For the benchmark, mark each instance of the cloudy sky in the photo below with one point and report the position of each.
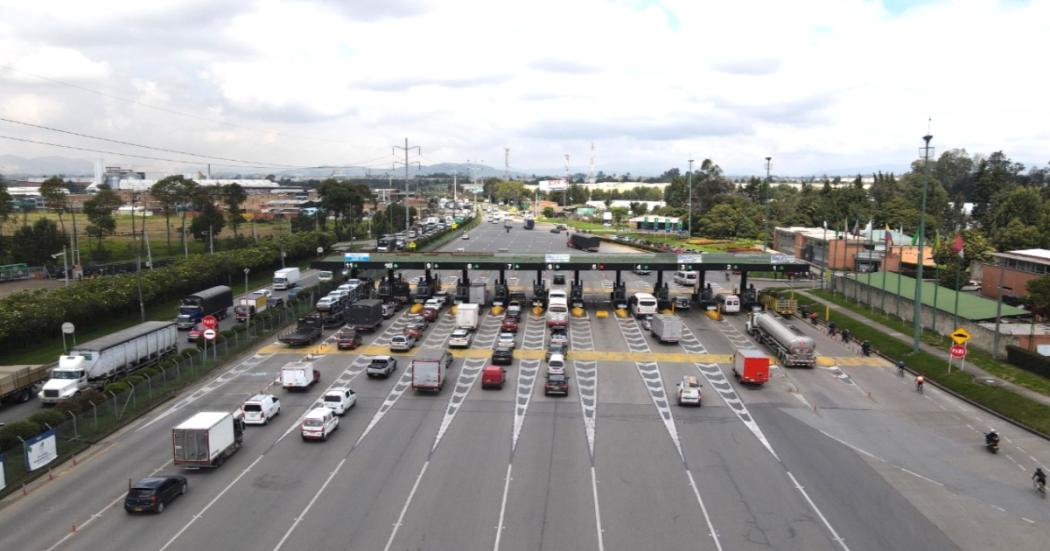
(818, 85)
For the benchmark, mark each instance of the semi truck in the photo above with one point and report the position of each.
(18, 383)
(299, 376)
(792, 347)
(365, 315)
(751, 366)
(250, 306)
(429, 369)
(207, 439)
(666, 329)
(93, 363)
(215, 301)
(468, 316)
(306, 331)
(286, 278)
(583, 241)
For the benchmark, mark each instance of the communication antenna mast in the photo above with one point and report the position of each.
(590, 174)
(568, 178)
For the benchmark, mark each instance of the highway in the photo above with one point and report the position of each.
(845, 456)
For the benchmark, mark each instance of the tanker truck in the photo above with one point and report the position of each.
(792, 347)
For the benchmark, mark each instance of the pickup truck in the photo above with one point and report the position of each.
(306, 331)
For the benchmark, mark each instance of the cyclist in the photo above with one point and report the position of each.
(919, 381)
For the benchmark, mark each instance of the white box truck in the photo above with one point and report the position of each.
(468, 316)
(299, 376)
(286, 278)
(207, 439)
(429, 369)
(93, 363)
(666, 329)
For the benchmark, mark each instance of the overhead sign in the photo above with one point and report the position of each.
(958, 351)
(209, 322)
(355, 257)
(556, 258)
(209, 334)
(780, 258)
(41, 450)
(690, 259)
(960, 336)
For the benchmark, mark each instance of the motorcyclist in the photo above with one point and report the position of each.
(992, 438)
(900, 367)
(845, 335)
(865, 348)
(831, 328)
(1039, 476)
(919, 381)
(813, 317)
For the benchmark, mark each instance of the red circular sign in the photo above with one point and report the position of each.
(209, 322)
(958, 351)
(209, 334)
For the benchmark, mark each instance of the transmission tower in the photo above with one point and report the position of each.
(406, 164)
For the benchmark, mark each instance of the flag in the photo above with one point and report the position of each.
(888, 236)
(957, 245)
(825, 224)
(867, 229)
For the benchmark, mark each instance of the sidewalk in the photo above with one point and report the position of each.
(943, 354)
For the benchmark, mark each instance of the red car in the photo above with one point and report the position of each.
(430, 314)
(415, 331)
(196, 333)
(347, 338)
(509, 325)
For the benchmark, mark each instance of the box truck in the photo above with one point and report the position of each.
(251, 305)
(299, 376)
(286, 278)
(751, 366)
(583, 242)
(93, 363)
(215, 301)
(666, 329)
(207, 439)
(365, 315)
(429, 369)
(468, 316)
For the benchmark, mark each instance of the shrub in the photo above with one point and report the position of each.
(118, 387)
(10, 434)
(48, 417)
(1029, 361)
(135, 379)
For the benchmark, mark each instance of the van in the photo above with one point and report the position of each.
(556, 363)
(728, 303)
(493, 376)
(689, 279)
(259, 409)
(319, 424)
(643, 304)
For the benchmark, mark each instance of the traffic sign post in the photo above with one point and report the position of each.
(958, 352)
(209, 322)
(209, 334)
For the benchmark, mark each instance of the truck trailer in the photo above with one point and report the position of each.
(93, 363)
(207, 439)
(792, 347)
(215, 301)
(666, 329)
(751, 366)
(365, 315)
(468, 316)
(299, 376)
(429, 369)
(18, 383)
(584, 242)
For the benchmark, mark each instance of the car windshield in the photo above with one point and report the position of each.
(65, 374)
(398, 339)
(136, 493)
(556, 378)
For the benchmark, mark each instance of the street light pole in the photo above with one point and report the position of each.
(248, 322)
(919, 260)
(689, 184)
(765, 204)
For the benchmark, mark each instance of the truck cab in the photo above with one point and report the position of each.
(68, 379)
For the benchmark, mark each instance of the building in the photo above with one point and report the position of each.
(1011, 271)
(139, 185)
(868, 250)
(624, 203)
(113, 175)
(656, 223)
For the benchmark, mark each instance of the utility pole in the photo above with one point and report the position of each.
(919, 260)
(765, 203)
(568, 179)
(689, 184)
(406, 149)
(506, 164)
(455, 189)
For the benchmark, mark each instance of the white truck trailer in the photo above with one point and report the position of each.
(207, 439)
(468, 316)
(299, 376)
(96, 362)
(429, 369)
(286, 278)
(667, 329)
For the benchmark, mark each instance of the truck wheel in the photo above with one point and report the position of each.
(25, 396)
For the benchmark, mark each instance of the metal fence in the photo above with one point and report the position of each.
(90, 421)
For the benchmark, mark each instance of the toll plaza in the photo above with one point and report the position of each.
(468, 263)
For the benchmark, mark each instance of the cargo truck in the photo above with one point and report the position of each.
(751, 366)
(94, 363)
(429, 369)
(666, 329)
(207, 439)
(286, 278)
(583, 241)
(365, 315)
(18, 383)
(215, 301)
(299, 376)
(468, 316)
(306, 331)
(250, 306)
(792, 347)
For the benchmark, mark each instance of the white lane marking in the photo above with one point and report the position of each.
(834, 534)
(468, 375)
(597, 511)
(1028, 520)
(703, 508)
(502, 507)
(395, 394)
(877, 458)
(919, 476)
(998, 508)
(404, 509)
(210, 503)
(354, 369)
(309, 506)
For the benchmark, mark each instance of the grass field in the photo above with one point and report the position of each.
(695, 243)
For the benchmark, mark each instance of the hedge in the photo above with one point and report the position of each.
(1028, 361)
(10, 434)
(26, 315)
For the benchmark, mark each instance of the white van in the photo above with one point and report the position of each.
(319, 424)
(728, 303)
(557, 311)
(689, 279)
(643, 304)
(556, 364)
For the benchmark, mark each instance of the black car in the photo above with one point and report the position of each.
(559, 279)
(274, 302)
(502, 355)
(154, 493)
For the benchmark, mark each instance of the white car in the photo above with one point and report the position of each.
(465, 236)
(324, 276)
(319, 424)
(556, 364)
(339, 400)
(326, 302)
(689, 391)
(262, 293)
(402, 343)
(506, 339)
(339, 294)
(259, 409)
(433, 304)
(460, 338)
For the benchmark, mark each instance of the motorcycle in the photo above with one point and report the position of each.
(992, 446)
(1040, 487)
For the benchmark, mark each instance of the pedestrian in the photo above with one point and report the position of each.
(845, 336)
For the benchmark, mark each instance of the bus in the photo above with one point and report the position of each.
(728, 303)
(642, 304)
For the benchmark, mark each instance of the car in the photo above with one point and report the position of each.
(319, 424)
(294, 292)
(326, 302)
(640, 271)
(388, 310)
(347, 339)
(325, 275)
(502, 355)
(259, 409)
(154, 493)
(414, 330)
(430, 313)
(506, 339)
(689, 391)
(339, 294)
(493, 376)
(560, 337)
(556, 363)
(557, 384)
(381, 366)
(559, 279)
(510, 325)
(555, 230)
(339, 400)
(275, 302)
(196, 333)
(460, 338)
(681, 303)
(561, 348)
(402, 343)
(444, 298)
(434, 303)
(465, 236)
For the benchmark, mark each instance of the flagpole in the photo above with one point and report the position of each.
(958, 271)
(900, 264)
(920, 258)
(871, 253)
(882, 268)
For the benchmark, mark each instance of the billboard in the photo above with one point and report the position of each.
(41, 450)
(553, 185)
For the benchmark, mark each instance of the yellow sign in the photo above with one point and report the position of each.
(412, 246)
(960, 335)
(455, 225)
(248, 216)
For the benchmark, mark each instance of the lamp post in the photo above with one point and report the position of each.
(920, 260)
(251, 307)
(65, 263)
(689, 184)
(765, 204)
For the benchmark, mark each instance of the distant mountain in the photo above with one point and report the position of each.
(15, 166)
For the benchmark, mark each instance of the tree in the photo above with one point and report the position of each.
(208, 222)
(234, 195)
(99, 210)
(954, 169)
(1038, 299)
(618, 214)
(548, 212)
(188, 193)
(639, 208)
(729, 219)
(994, 175)
(54, 192)
(167, 191)
(35, 244)
(976, 248)
(6, 208)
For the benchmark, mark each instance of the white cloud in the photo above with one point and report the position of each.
(819, 85)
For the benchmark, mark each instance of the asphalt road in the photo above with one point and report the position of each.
(843, 456)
